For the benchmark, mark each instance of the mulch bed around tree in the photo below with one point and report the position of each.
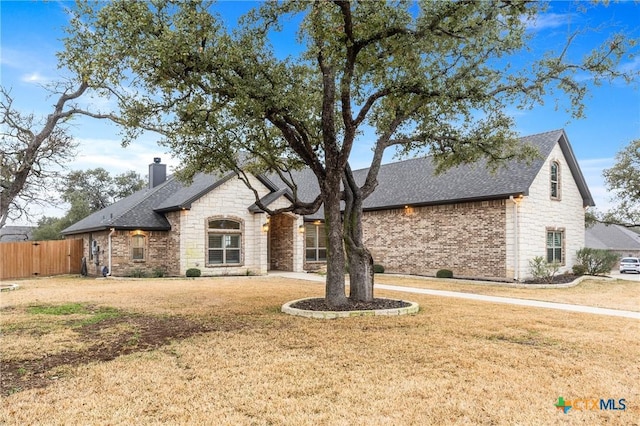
(319, 304)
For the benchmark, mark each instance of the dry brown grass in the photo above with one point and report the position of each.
(456, 362)
(599, 292)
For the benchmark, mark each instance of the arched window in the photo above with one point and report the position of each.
(224, 242)
(137, 247)
(555, 180)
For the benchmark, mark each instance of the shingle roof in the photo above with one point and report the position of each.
(612, 237)
(409, 182)
(414, 182)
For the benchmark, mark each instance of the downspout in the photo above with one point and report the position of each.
(516, 238)
(110, 234)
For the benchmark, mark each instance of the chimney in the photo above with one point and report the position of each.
(157, 173)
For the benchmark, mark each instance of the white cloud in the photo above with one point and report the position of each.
(548, 20)
(34, 77)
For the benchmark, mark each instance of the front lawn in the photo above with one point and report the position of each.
(218, 351)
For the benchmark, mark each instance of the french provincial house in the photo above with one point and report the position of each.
(474, 222)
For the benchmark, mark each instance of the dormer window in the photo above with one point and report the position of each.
(555, 180)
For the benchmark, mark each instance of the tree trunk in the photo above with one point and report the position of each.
(360, 259)
(360, 275)
(335, 283)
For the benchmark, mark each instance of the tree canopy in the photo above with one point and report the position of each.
(87, 191)
(623, 180)
(33, 151)
(425, 77)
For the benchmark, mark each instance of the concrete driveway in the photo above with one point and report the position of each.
(628, 277)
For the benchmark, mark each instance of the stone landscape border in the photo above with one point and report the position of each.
(8, 287)
(287, 308)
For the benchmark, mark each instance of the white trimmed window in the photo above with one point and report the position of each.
(555, 247)
(224, 242)
(315, 242)
(555, 180)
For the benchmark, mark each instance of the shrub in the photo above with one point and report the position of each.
(596, 261)
(137, 273)
(543, 270)
(444, 273)
(193, 272)
(378, 269)
(158, 273)
(579, 269)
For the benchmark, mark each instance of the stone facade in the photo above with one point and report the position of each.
(538, 213)
(230, 200)
(467, 238)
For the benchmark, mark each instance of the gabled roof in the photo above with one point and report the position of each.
(414, 182)
(611, 237)
(410, 182)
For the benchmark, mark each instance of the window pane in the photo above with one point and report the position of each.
(215, 256)
(549, 255)
(311, 255)
(322, 238)
(233, 256)
(224, 224)
(232, 241)
(137, 253)
(322, 254)
(215, 241)
(138, 241)
(557, 255)
(557, 239)
(310, 236)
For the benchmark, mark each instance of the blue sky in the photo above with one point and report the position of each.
(30, 33)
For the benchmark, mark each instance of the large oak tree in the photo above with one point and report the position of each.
(623, 180)
(431, 77)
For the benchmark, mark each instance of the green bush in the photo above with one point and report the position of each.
(596, 261)
(543, 270)
(158, 272)
(444, 273)
(193, 272)
(579, 269)
(378, 269)
(137, 273)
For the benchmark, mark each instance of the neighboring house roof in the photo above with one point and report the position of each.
(16, 233)
(410, 182)
(611, 237)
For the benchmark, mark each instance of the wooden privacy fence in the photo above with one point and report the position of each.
(27, 259)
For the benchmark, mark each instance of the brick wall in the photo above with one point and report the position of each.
(468, 238)
(281, 238)
(159, 254)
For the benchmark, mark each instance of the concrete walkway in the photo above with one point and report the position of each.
(477, 297)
